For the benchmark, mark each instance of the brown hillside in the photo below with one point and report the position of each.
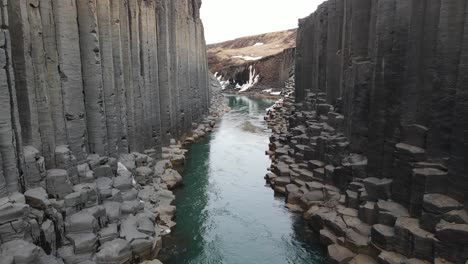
(222, 55)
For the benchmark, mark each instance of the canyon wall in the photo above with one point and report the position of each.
(273, 70)
(101, 77)
(374, 147)
(387, 65)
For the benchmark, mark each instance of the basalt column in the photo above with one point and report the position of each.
(95, 77)
(395, 74)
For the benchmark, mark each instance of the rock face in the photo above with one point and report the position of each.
(378, 125)
(271, 55)
(95, 76)
(394, 75)
(91, 94)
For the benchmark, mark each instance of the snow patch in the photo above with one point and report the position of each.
(253, 79)
(259, 44)
(247, 58)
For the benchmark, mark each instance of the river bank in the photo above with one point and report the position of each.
(351, 213)
(225, 213)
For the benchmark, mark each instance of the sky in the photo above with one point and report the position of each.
(230, 19)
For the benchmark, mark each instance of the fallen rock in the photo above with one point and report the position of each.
(339, 255)
(171, 178)
(58, 183)
(115, 251)
(37, 198)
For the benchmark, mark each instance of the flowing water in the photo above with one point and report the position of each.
(225, 213)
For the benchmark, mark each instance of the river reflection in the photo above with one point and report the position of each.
(225, 213)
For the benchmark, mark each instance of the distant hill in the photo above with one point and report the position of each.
(242, 51)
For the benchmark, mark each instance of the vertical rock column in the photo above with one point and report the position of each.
(391, 42)
(9, 125)
(119, 76)
(165, 87)
(92, 77)
(127, 72)
(42, 93)
(458, 166)
(449, 40)
(71, 79)
(154, 77)
(334, 43)
(53, 77)
(107, 65)
(140, 128)
(24, 72)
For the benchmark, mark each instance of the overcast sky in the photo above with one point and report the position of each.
(230, 19)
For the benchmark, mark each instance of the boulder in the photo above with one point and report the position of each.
(327, 237)
(115, 251)
(378, 188)
(123, 182)
(383, 236)
(81, 222)
(20, 252)
(144, 175)
(425, 181)
(339, 255)
(434, 206)
(103, 171)
(171, 178)
(13, 211)
(58, 184)
(452, 243)
(388, 212)
(411, 240)
(37, 198)
(83, 243)
(363, 259)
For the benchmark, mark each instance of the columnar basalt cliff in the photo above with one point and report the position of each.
(87, 87)
(374, 148)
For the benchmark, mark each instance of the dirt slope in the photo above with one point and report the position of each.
(249, 49)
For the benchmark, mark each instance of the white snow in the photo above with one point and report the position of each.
(247, 58)
(253, 79)
(275, 93)
(259, 44)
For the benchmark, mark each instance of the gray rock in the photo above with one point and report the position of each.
(21, 251)
(339, 255)
(171, 178)
(378, 188)
(80, 223)
(144, 175)
(434, 206)
(388, 212)
(83, 243)
(58, 183)
(115, 251)
(383, 236)
(361, 259)
(37, 198)
(411, 240)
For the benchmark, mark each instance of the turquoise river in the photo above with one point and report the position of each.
(225, 212)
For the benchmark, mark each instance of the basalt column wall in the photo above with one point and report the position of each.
(396, 71)
(100, 77)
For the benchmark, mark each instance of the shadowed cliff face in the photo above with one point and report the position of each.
(387, 65)
(100, 76)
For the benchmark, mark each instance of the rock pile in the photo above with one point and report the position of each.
(409, 217)
(106, 210)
